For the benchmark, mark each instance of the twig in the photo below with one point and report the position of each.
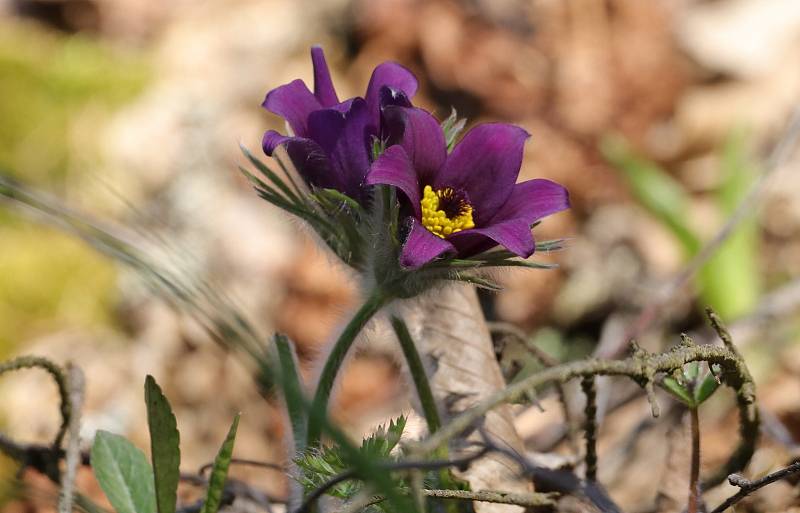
(76, 384)
(528, 500)
(589, 390)
(241, 461)
(733, 372)
(746, 487)
(57, 373)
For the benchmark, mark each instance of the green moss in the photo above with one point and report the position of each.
(46, 80)
(49, 278)
(48, 83)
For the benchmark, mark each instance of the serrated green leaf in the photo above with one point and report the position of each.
(164, 446)
(219, 472)
(705, 389)
(672, 386)
(123, 473)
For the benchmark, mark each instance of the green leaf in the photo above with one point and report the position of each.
(675, 388)
(452, 126)
(164, 445)
(705, 389)
(292, 391)
(691, 370)
(730, 280)
(219, 473)
(655, 189)
(123, 473)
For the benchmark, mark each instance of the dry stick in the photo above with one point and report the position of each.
(776, 159)
(589, 390)
(76, 383)
(241, 461)
(641, 369)
(528, 500)
(746, 487)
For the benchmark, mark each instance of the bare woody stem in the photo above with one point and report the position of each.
(694, 476)
(641, 368)
(377, 299)
(747, 487)
(589, 390)
(58, 375)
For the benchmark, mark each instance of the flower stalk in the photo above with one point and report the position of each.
(376, 300)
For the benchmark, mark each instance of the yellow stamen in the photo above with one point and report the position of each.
(436, 221)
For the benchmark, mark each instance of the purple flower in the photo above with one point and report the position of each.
(468, 201)
(330, 141)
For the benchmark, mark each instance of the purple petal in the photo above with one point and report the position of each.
(309, 159)
(323, 85)
(393, 167)
(294, 103)
(422, 246)
(345, 139)
(485, 164)
(533, 200)
(514, 235)
(421, 137)
(272, 140)
(392, 75)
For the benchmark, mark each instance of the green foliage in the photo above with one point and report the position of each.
(46, 81)
(219, 472)
(50, 278)
(164, 445)
(452, 126)
(656, 190)
(292, 391)
(319, 465)
(730, 280)
(335, 217)
(123, 473)
(692, 386)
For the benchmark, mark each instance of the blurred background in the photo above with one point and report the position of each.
(658, 116)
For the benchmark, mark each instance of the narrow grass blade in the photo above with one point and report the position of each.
(219, 472)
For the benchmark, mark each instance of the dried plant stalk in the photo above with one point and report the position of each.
(452, 336)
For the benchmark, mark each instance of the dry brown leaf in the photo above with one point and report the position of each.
(450, 330)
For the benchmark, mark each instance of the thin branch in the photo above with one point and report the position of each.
(589, 390)
(241, 461)
(746, 487)
(57, 373)
(528, 500)
(76, 384)
(642, 370)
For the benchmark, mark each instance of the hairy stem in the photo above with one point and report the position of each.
(374, 302)
(418, 375)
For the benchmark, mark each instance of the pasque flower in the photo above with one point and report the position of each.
(330, 141)
(465, 202)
